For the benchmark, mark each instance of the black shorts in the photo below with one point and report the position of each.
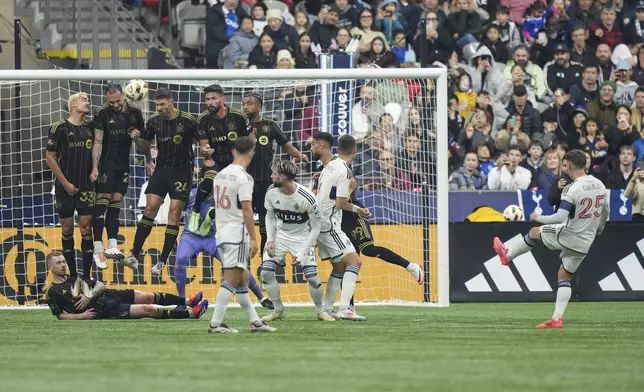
(116, 304)
(66, 204)
(357, 229)
(113, 181)
(259, 195)
(174, 182)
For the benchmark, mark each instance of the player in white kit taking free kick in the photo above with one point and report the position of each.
(333, 192)
(571, 230)
(236, 238)
(292, 226)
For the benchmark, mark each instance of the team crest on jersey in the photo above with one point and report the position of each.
(179, 127)
(177, 139)
(89, 143)
(232, 136)
(296, 206)
(263, 140)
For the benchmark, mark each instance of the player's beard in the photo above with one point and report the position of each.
(213, 108)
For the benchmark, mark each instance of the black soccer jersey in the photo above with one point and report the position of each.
(222, 133)
(60, 300)
(174, 139)
(73, 145)
(266, 131)
(116, 139)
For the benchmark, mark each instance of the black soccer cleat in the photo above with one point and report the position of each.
(267, 303)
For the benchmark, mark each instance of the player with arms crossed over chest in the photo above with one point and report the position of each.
(219, 128)
(113, 124)
(581, 216)
(174, 131)
(67, 303)
(69, 157)
(265, 132)
(236, 239)
(334, 190)
(292, 226)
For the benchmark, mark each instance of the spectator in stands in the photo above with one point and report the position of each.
(412, 159)
(506, 87)
(485, 163)
(593, 141)
(437, 40)
(535, 21)
(284, 35)
(412, 11)
(626, 88)
(366, 30)
(389, 19)
(550, 172)
(606, 31)
(362, 115)
(510, 34)
(483, 70)
(634, 31)
(302, 22)
(222, 20)
(550, 128)
(582, 12)
(635, 191)
(561, 72)
(518, 9)
(264, 56)
(323, 32)
(285, 60)
(342, 39)
(403, 52)
(390, 176)
(534, 74)
(625, 134)
(534, 160)
(381, 56)
(415, 123)
(621, 174)
(259, 18)
(463, 20)
(468, 177)
(581, 52)
(366, 166)
(587, 91)
(574, 134)
(466, 96)
(477, 132)
(498, 48)
(530, 117)
(512, 134)
(637, 112)
(508, 175)
(242, 42)
(604, 62)
(293, 102)
(561, 109)
(604, 109)
(348, 16)
(304, 56)
(554, 193)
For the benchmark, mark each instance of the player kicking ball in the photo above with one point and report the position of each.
(68, 303)
(292, 226)
(203, 240)
(236, 238)
(572, 229)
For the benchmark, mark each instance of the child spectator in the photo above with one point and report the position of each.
(534, 160)
(517, 9)
(302, 23)
(264, 56)
(485, 163)
(589, 141)
(493, 41)
(535, 21)
(510, 34)
(241, 44)
(380, 55)
(466, 97)
(259, 18)
(390, 19)
(400, 48)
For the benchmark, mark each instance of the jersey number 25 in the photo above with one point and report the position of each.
(587, 204)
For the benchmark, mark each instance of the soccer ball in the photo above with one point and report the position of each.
(513, 213)
(136, 90)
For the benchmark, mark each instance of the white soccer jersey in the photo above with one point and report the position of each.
(586, 199)
(334, 182)
(232, 185)
(296, 214)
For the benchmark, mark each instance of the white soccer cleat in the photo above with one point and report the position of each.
(100, 260)
(114, 254)
(416, 272)
(157, 269)
(350, 315)
(77, 288)
(274, 315)
(324, 316)
(261, 327)
(131, 262)
(85, 289)
(223, 328)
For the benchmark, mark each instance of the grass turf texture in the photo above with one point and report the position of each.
(473, 347)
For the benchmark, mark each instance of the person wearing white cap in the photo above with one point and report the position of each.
(285, 60)
(626, 88)
(284, 35)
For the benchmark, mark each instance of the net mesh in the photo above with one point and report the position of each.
(393, 120)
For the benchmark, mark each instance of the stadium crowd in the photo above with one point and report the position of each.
(529, 81)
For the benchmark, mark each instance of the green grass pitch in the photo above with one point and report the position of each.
(474, 347)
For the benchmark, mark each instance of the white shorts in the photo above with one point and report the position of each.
(235, 255)
(570, 259)
(334, 245)
(282, 247)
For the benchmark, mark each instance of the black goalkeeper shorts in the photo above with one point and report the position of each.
(116, 304)
(174, 182)
(113, 181)
(357, 229)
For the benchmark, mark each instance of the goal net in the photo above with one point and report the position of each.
(398, 117)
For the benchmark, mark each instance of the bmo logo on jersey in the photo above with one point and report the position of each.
(291, 216)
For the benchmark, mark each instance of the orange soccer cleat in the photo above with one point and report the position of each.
(501, 250)
(551, 323)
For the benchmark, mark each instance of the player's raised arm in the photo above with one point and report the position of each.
(562, 213)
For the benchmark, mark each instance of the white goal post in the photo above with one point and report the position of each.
(399, 117)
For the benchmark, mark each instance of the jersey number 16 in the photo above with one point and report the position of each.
(223, 201)
(587, 204)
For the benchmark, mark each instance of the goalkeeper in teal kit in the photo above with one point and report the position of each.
(203, 240)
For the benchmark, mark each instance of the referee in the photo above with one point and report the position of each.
(69, 157)
(265, 132)
(174, 131)
(219, 127)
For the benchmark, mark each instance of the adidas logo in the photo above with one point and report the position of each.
(504, 279)
(277, 202)
(632, 270)
(70, 133)
(112, 121)
(212, 128)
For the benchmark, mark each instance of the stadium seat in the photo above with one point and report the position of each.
(192, 26)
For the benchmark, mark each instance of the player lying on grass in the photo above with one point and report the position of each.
(68, 303)
(292, 226)
(203, 240)
(581, 216)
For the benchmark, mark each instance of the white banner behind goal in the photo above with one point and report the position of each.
(399, 117)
